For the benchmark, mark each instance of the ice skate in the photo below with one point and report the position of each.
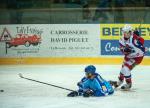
(126, 86)
(116, 83)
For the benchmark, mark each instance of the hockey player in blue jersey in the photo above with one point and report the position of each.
(92, 85)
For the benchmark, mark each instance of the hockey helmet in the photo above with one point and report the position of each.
(90, 69)
(127, 28)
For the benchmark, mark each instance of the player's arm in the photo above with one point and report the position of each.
(122, 47)
(80, 84)
(126, 49)
(100, 89)
(140, 40)
(83, 86)
(139, 43)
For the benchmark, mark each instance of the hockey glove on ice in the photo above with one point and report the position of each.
(88, 93)
(73, 94)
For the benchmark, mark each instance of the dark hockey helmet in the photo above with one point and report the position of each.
(90, 69)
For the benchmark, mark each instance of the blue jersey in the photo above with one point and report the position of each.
(99, 86)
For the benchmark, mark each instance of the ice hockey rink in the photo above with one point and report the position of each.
(22, 93)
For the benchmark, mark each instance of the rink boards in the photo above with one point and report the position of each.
(65, 43)
(99, 60)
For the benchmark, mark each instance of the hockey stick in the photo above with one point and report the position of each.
(141, 22)
(21, 76)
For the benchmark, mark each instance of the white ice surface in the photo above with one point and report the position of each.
(21, 93)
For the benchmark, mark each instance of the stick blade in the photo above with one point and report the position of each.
(20, 75)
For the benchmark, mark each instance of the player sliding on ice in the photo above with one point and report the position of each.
(92, 85)
(132, 46)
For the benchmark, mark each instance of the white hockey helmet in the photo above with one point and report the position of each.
(127, 28)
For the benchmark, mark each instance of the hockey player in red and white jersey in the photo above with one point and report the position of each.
(132, 46)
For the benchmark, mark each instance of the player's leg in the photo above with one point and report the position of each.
(128, 66)
(124, 74)
(120, 79)
(126, 70)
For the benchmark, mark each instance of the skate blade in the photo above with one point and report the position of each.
(128, 90)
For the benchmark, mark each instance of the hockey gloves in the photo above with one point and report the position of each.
(128, 50)
(137, 32)
(73, 94)
(88, 93)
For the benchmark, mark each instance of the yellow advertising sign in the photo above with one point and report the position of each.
(114, 31)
